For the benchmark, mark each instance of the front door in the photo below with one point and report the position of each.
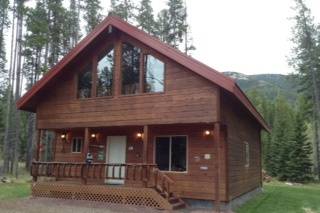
(116, 153)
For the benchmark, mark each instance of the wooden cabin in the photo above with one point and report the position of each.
(160, 127)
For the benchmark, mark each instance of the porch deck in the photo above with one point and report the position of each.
(81, 181)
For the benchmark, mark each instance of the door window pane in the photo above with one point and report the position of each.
(105, 73)
(153, 74)
(85, 82)
(178, 153)
(130, 69)
(162, 152)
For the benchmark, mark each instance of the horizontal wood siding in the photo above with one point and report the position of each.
(241, 128)
(195, 183)
(188, 98)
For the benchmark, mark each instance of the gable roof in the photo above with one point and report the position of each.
(201, 69)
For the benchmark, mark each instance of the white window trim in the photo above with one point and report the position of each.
(81, 147)
(187, 152)
(247, 154)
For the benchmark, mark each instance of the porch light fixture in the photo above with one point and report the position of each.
(207, 132)
(93, 135)
(63, 136)
(139, 135)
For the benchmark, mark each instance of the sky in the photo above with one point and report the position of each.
(247, 36)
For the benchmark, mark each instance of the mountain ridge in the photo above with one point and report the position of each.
(269, 85)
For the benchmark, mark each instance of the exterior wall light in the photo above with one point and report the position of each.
(93, 135)
(63, 136)
(207, 132)
(139, 135)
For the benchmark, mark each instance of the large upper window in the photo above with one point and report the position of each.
(85, 82)
(171, 153)
(105, 70)
(153, 74)
(130, 69)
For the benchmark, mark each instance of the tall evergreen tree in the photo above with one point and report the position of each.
(162, 26)
(177, 22)
(35, 41)
(306, 61)
(74, 22)
(124, 9)
(145, 17)
(92, 14)
(56, 17)
(299, 165)
(4, 24)
(277, 158)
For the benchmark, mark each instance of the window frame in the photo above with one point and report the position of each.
(246, 154)
(144, 58)
(117, 73)
(170, 147)
(81, 146)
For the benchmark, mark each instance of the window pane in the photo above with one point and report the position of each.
(154, 74)
(74, 145)
(105, 73)
(178, 153)
(130, 69)
(162, 152)
(85, 82)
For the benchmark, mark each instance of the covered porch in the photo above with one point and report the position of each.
(136, 166)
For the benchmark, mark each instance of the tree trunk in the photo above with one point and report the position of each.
(17, 88)
(7, 146)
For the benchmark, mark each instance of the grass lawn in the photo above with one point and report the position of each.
(14, 190)
(281, 198)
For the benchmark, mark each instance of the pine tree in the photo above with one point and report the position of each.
(124, 9)
(92, 14)
(74, 22)
(56, 18)
(306, 61)
(162, 25)
(145, 17)
(177, 22)
(277, 158)
(35, 41)
(4, 24)
(299, 165)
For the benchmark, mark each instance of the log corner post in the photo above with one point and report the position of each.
(217, 144)
(145, 143)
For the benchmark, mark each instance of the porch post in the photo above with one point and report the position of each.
(86, 143)
(145, 143)
(37, 154)
(217, 144)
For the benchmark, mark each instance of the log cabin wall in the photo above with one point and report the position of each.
(188, 98)
(196, 183)
(241, 129)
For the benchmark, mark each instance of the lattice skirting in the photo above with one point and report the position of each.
(111, 194)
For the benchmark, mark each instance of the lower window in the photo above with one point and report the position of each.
(77, 145)
(171, 153)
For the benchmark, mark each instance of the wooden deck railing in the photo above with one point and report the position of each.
(84, 171)
(146, 173)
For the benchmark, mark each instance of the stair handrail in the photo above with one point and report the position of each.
(162, 182)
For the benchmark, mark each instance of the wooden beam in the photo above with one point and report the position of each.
(86, 143)
(217, 141)
(117, 69)
(145, 143)
(37, 154)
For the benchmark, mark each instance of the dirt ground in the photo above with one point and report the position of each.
(44, 205)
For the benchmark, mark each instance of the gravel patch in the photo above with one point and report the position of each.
(50, 205)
